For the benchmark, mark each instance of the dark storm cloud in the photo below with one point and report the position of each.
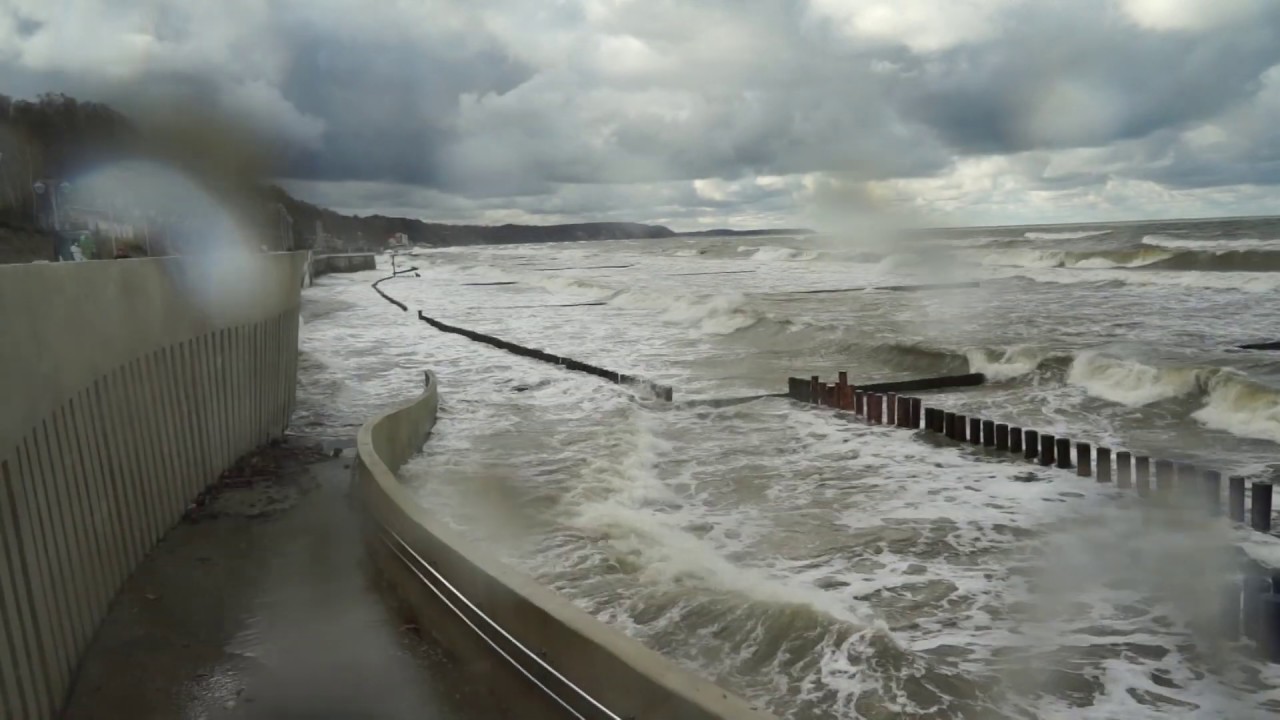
(533, 107)
(388, 107)
(1071, 78)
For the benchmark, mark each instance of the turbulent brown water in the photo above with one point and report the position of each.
(821, 568)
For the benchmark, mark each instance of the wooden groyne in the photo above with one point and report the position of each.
(1251, 607)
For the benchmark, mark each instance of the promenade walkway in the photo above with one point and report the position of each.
(264, 608)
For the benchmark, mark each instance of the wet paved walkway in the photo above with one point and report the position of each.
(265, 608)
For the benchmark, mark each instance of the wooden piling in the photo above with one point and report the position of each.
(1142, 475)
(1002, 437)
(988, 433)
(1032, 444)
(1124, 469)
(891, 409)
(962, 426)
(1084, 463)
(1188, 483)
(975, 431)
(1269, 625)
(1103, 472)
(949, 425)
(1231, 612)
(904, 412)
(846, 398)
(1015, 440)
(1164, 478)
(842, 390)
(815, 393)
(1213, 492)
(1260, 507)
(1235, 498)
(1253, 588)
(917, 413)
(859, 403)
(1064, 453)
(1048, 447)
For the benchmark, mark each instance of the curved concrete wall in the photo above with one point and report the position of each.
(622, 677)
(126, 387)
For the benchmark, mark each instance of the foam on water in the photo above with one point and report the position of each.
(825, 569)
(1064, 235)
(1191, 243)
(774, 253)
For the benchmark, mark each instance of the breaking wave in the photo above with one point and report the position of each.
(1096, 260)
(710, 314)
(770, 253)
(1064, 235)
(1230, 400)
(1166, 241)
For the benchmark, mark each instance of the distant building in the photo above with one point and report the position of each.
(399, 241)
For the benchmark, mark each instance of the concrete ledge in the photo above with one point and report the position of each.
(341, 263)
(622, 678)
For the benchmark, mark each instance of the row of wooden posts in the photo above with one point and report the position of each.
(1122, 467)
(1252, 605)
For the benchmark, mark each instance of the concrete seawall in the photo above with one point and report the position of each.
(127, 388)
(340, 263)
(588, 666)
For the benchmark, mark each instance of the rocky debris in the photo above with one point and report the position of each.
(261, 483)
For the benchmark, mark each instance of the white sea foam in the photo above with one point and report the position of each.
(1004, 364)
(774, 253)
(1211, 244)
(1130, 382)
(711, 534)
(1064, 235)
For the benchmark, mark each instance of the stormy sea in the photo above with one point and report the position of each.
(820, 567)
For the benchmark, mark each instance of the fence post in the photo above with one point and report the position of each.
(1124, 469)
(1083, 462)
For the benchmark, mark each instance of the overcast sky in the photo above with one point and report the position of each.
(698, 113)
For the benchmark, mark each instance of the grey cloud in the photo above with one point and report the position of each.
(611, 110)
(1069, 76)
